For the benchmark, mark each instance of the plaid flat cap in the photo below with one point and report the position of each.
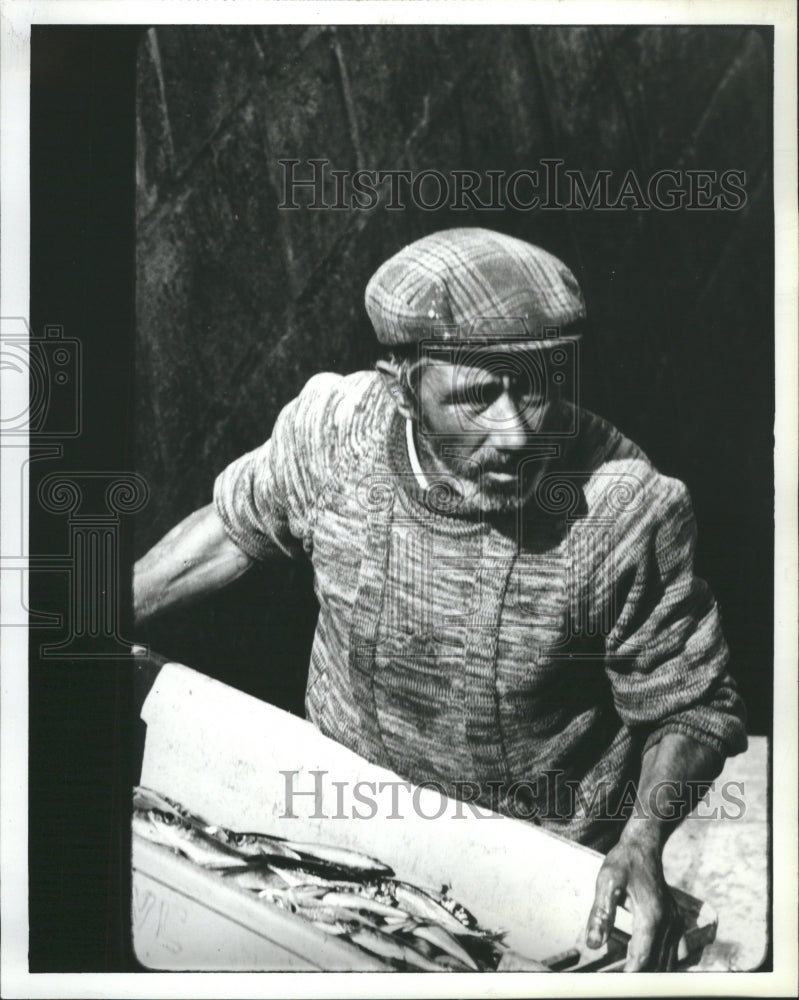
(473, 285)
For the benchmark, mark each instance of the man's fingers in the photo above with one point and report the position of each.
(609, 888)
(668, 961)
(668, 950)
(653, 934)
(641, 946)
(648, 928)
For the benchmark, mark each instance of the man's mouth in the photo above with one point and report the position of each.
(503, 465)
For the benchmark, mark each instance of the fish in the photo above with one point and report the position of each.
(512, 961)
(303, 878)
(166, 810)
(324, 858)
(254, 880)
(563, 960)
(456, 909)
(311, 866)
(146, 799)
(308, 902)
(426, 908)
(144, 827)
(302, 894)
(185, 840)
(336, 908)
(253, 844)
(444, 941)
(389, 947)
(275, 896)
(348, 893)
(341, 857)
(298, 899)
(243, 844)
(335, 928)
(450, 964)
(308, 878)
(357, 901)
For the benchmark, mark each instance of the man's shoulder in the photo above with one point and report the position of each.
(619, 476)
(328, 387)
(352, 408)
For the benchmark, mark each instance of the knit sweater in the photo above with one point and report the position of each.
(525, 662)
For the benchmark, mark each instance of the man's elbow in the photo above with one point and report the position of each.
(195, 558)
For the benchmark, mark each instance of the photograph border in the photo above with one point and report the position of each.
(17, 18)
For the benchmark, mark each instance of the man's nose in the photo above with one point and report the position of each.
(509, 428)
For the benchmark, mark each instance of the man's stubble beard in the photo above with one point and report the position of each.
(478, 494)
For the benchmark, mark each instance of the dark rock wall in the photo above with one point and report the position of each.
(239, 302)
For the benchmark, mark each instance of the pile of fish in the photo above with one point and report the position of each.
(340, 891)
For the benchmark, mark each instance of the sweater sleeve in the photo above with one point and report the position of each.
(666, 656)
(266, 499)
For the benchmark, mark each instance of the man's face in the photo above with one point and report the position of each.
(481, 419)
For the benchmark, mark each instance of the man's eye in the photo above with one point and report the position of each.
(466, 401)
(484, 393)
(472, 402)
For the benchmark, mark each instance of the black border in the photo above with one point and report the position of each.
(82, 187)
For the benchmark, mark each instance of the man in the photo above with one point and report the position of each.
(506, 589)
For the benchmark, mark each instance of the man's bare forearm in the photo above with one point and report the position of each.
(197, 557)
(673, 773)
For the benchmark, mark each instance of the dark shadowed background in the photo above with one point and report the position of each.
(239, 303)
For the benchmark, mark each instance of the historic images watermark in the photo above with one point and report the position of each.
(549, 185)
(550, 797)
(42, 407)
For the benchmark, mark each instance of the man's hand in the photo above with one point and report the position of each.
(633, 872)
(675, 772)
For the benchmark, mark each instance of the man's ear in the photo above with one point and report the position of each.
(403, 398)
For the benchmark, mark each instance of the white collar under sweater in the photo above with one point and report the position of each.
(421, 478)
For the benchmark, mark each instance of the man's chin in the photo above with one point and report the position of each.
(491, 491)
(494, 495)
(493, 503)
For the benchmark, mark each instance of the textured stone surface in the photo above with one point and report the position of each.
(239, 302)
(721, 855)
(206, 72)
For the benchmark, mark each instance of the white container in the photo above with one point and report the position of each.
(243, 764)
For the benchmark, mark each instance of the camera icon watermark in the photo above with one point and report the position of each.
(42, 385)
(41, 408)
